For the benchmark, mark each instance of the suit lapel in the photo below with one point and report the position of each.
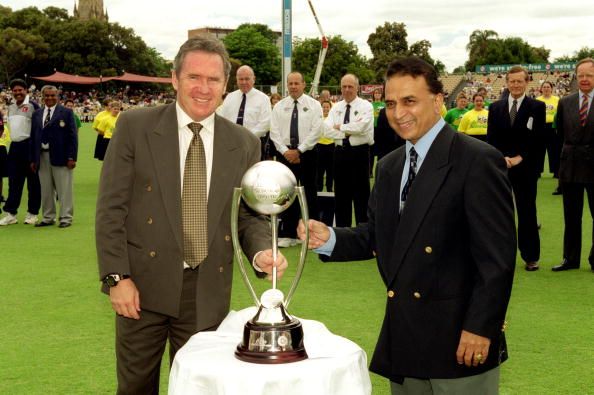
(427, 183)
(222, 179)
(163, 143)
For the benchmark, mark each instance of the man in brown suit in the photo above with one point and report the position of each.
(145, 255)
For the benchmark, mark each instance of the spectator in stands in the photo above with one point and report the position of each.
(274, 98)
(474, 122)
(69, 103)
(249, 107)
(483, 92)
(513, 126)
(551, 142)
(454, 116)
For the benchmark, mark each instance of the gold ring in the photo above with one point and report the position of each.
(478, 357)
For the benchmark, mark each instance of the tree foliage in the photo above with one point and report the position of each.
(582, 53)
(38, 42)
(342, 57)
(389, 42)
(254, 45)
(485, 47)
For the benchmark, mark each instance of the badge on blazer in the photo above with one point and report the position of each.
(62, 123)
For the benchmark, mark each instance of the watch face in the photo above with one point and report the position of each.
(110, 281)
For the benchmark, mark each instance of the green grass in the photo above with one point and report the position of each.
(58, 333)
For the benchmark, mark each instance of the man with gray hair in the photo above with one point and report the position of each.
(163, 232)
(250, 108)
(54, 147)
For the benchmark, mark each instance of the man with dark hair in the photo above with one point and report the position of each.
(163, 232)
(20, 113)
(575, 124)
(514, 127)
(441, 226)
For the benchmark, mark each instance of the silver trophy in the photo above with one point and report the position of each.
(272, 335)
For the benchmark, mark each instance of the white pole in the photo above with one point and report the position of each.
(287, 44)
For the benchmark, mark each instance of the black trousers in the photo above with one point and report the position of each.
(267, 149)
(140, 343)
(524, 186)
(573, 205)
(351, 183)
(305, 173)
(325, 167)
(551, 145)
(19, 171)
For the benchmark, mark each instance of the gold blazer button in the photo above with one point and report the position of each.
(227, 237)
(417, 295)
(152, 254)
(391, 294)
(221, 269)
(149, 221)
(428, 249)
(149, 188)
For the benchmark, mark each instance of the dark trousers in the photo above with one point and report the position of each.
(305, 173)
(19, 170)
(524, 187)
(325, 167)
(551, 145)
(267, 149)
(573, 205)
(140, 343)
(351, 183)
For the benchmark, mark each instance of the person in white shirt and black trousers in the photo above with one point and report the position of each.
(351, 124)
(295, 128)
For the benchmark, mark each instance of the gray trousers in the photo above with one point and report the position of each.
(56, 181)
(485, 384)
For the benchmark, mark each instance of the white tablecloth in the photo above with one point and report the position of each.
(206, 365)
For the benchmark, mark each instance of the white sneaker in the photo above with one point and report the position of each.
(8, 219)
(31, 219)
(286, 242)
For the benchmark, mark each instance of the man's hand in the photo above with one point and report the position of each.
(511, 162)
(292, 156)
(125, 299)
(318, 233)
(472, 349)
(265, 262)
(71, 164)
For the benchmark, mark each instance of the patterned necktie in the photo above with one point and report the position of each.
(194, 202)
(47, 117)
(412, 172)
(295, 127)
(241, 111)
(513, 112)
(347, 119)
(584, 110)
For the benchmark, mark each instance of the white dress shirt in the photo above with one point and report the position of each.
(185, 138)
(256, 114)
(360, 127)
(310, 118)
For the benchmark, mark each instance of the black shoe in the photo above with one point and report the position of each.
(64, 224)
(42, 224)
(531, 266)
(564, 265)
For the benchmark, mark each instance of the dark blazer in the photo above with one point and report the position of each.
(139, 219)
(447, 261)
(518, 139)
(577, 154)
(62, 134)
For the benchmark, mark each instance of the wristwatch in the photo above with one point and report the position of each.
(114, 278)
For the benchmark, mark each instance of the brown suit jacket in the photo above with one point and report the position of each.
(139, 222)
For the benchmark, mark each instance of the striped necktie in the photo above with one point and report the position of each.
(584, 110)
(513, 112)
(194, 201)
(412, 173)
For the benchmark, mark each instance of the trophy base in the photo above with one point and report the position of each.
(272, 344)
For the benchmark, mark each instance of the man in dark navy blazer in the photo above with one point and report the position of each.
(575, 123)
(515, 126)
(53, 153)
(441, 225)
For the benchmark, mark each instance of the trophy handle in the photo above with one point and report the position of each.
(303, 253)
(235, 203)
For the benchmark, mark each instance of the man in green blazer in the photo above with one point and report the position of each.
(141, 236)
